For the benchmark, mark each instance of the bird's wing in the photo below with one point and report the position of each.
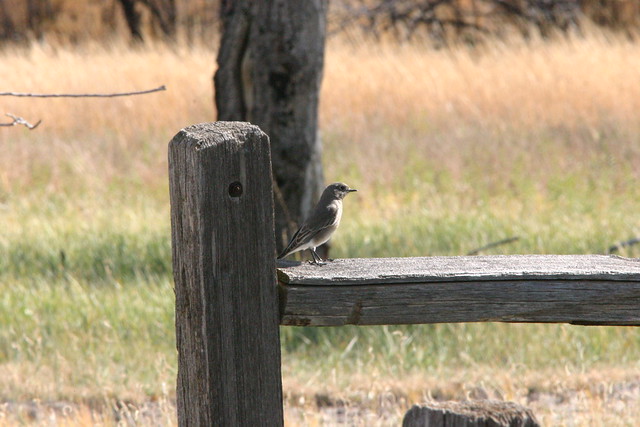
(308, 230)
(311, 227)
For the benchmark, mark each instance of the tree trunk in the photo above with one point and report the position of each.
(38, 11)
(8, 30)
(269, 72)
(164, 15)
(132, 16)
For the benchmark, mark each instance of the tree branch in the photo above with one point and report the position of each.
(20, 121)
(615, 248)
(493, 245)
(81, 95)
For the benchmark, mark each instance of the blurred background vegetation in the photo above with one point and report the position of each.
(460, 124)
(444, 21)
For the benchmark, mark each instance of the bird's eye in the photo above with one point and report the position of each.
(343, 188)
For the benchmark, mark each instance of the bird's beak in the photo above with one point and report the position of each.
(351, 190)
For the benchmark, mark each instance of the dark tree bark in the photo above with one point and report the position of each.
(165, 16)
(38, 11)
(132, 16)
(8, 31)
(269, 73)
(163, 13)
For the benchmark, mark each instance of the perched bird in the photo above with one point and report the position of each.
(323, 221)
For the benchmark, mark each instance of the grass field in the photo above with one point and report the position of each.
(449, 150)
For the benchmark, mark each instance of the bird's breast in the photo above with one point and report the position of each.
(336, 207)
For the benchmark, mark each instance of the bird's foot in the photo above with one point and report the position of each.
(314, 262)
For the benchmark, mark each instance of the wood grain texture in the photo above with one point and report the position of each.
(475, 413)
(578, 289)
(224, 271)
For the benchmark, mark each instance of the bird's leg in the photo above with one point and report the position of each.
(316, 258)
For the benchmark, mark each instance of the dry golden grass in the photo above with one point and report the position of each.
(566, 82)
(501, 107)
(378, 102)
(558, 397)
(97, 141)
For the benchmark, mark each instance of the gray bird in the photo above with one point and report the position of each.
(321, 224)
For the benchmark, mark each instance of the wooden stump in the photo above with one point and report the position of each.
(476, 413)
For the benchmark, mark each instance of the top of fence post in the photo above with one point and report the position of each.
(224, 271)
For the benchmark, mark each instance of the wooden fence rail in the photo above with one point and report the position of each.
(231, 297)
(578, 289)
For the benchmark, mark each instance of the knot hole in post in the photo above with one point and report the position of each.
(235, 189)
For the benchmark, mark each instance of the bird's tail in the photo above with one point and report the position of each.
(298, 237)
(291, 247)
(285, 252)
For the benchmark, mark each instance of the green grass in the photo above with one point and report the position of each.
(69, 339)
(118, 238)
(405, 350)
(86, 298)
(99, 325)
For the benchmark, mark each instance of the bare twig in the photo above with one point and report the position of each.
(20, 121)
(493, 245)
(81, 95)
(618, 246)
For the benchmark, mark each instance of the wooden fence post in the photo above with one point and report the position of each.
(225, 276)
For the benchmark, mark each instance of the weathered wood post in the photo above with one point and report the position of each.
(225, 276)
